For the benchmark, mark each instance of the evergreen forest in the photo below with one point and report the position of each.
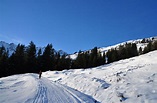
(30, 60)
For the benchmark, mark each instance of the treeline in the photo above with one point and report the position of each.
(122, 52)
(30, 60)
(89, 59)
(151, 46)
(95, 58)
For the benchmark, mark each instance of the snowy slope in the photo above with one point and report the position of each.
(131, 80)
(27, 88)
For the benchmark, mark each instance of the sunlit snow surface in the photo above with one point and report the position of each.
(27, 88)
(131, 80)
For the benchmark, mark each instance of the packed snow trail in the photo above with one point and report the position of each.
(27, 88)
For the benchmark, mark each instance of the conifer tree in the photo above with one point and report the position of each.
(112, 55)
(154, 46)
(86, 60)
(140, 51)
(57, 61)
(48, 58)
(148, 48)
(94, 56)
(20, 59)
(122, 52)
(39, 60)
(4, 70)
(134, 50)
(31, 58)
(64, 62)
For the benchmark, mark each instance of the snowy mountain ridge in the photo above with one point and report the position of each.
(11, 47)
(138, 42)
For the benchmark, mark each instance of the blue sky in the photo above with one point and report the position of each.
(73, 25)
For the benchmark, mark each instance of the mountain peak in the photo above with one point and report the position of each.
(10, 47)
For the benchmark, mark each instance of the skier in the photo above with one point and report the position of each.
(40, 74)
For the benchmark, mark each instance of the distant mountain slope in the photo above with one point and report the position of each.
(139, 42)
(11, 47)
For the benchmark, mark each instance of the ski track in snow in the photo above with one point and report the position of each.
(41, 96)
(36, 90)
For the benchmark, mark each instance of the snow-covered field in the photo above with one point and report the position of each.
(131, 80)
(27, 88)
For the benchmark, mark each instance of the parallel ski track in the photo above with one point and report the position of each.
(60, 93)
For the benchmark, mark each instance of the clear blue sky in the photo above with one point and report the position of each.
(73, 25)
